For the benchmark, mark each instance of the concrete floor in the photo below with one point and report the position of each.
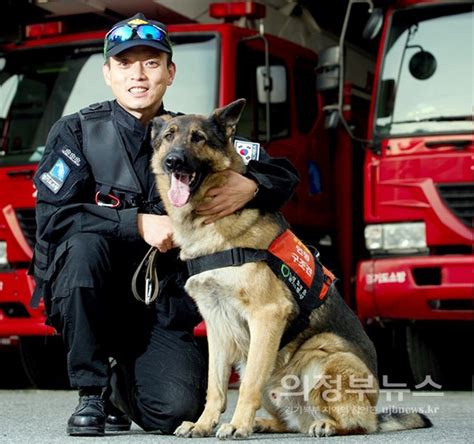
(34, 416)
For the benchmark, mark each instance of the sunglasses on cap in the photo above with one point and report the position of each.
(124, 33)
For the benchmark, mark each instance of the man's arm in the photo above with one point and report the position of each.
(156, 231)
(277, 179)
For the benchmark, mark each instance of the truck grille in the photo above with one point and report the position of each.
(27, 221)
(459, 198)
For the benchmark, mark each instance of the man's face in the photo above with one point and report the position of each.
(138, 78)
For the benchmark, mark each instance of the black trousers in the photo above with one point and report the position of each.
(159, 375)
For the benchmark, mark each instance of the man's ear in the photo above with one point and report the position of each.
(171, 73)
(106, 72)
(228, 116)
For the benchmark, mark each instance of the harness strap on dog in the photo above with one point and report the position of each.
(228, 258)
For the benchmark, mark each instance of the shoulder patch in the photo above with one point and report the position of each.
(74, 158)
(54, 179)
(247, 150)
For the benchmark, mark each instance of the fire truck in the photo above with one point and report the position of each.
(413, 276)
(390, 211)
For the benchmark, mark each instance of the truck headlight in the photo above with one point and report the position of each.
(3, 254)
(396, 238)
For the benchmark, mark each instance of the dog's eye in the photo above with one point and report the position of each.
(197, 137)
(169, 136)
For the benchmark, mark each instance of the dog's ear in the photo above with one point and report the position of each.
(228, 116)
(156, 126)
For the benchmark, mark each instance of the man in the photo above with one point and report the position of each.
(97, 213)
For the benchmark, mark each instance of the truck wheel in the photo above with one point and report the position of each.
(424, 354)
(44, 362)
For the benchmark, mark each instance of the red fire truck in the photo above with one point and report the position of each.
(415, 276)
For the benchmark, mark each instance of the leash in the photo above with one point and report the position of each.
(152, 284)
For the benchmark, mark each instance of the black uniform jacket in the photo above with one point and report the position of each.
(66, 188)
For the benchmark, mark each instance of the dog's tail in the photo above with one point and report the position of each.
(394, 421)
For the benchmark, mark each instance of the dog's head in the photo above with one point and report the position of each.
(190, 147)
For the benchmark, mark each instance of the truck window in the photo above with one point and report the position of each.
(440, 102)
(88, 88)
(39, 86)
(8, 90)
(195, 87)
(252, 123)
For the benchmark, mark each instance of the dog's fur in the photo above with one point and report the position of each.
(313, 384)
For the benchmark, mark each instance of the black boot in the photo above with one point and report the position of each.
(116, 420)
(89, 417)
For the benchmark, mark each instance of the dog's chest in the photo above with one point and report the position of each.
(194, 241)
(216, 292)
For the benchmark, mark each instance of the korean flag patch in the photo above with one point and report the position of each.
(247, 150)
(55, 178)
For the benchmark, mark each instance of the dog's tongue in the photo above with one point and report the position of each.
(179, 191)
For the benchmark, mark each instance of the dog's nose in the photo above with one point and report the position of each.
(174, 161)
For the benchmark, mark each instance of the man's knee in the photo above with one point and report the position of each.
(167, 413)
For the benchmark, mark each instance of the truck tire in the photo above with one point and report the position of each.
(44, 362)
(425, 355)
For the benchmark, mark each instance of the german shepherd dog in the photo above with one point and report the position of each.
(323, 382)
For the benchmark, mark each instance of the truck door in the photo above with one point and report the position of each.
(296, 129)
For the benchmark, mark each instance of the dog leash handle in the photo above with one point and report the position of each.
(152, 284)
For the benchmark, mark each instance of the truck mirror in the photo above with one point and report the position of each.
(387, 97)
(328, 69)
(422, 65)
(373, 25)
(275, 84)
(3, 62)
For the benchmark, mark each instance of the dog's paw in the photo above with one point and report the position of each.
(268, 425)
(229, 431)
(185, 429)
(322, 428)
(191, 430)
(261, 425)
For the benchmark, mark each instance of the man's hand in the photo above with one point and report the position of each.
(156, 231)
(227, 199)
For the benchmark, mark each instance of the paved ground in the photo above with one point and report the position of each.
(33, 416)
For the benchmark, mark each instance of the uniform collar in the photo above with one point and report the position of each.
(131, 122)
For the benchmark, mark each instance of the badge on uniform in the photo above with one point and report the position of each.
(74, 158)
(247, 150)
(55, 178)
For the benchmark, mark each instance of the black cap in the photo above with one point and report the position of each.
(113, 47)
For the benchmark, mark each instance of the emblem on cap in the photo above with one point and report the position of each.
(137, 21)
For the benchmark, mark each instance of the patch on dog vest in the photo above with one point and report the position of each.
(301, 271)
(247, 150)
(297, 261)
